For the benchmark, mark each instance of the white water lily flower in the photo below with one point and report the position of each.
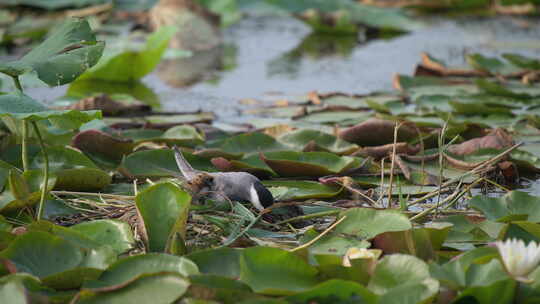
(360, 253)
(519, 260)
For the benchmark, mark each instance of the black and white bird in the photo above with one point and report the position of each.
(236, 186)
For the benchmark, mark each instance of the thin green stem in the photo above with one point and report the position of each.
(45, 172)
(24, 131)
(17, 83)
(24, 145)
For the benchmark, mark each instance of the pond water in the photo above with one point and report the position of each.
(265, 58)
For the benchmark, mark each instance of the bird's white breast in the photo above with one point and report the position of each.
(254, 197)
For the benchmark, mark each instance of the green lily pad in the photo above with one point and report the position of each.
(400, 274)
(20, 106)
(514, 205)
(69, 51)
(297, 190)
(252, 143)
(183, 135)
(333, 243)
(333, 291)
(82, 179)
(321, 141)
(219, 289)
(522, 61)
(114, 233)
(339, 117)
(74, 171)
(164, 209)
(127, 269)
(219, 261)
(468, 269)
(491, 65)
(160, 288)
(290, 164)
(367, 223)
(56, 258)
(274, 271)
(102, 145)
(155, 163)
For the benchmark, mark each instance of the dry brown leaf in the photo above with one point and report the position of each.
(379, 152)
(108, 106)
(430, 67)
(376, 132)
(496, 139)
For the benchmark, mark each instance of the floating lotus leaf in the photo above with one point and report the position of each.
(114, 233)
(252, 143)
(335, 290)
(159, 163)
(514, 205)
(129, 268)
(367, 223)
(297, 190)
(301, 139)
(219, 261)
(274, 271)
(291, 164)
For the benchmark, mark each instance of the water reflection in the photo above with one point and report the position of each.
(314, 46)
(201, 66)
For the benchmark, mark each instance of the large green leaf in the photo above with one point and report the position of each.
(515, 205)
(130, 268)
(160, 163)
(291, 164)
(291, 190)
(160, 288)
(20, 106)
(459, 273)
(276, 271)
(116, 234)
(164, 209)
(334, 291)
(492, 65)
(58, 262)
(69, 51)
(252, 143)
(321, 141)
(403, 278)
(74, 170)
(219, 289)
(219, 261)
(367, 223)
(332, 243)
(131, 66)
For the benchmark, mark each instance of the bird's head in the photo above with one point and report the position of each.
(260, 196)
